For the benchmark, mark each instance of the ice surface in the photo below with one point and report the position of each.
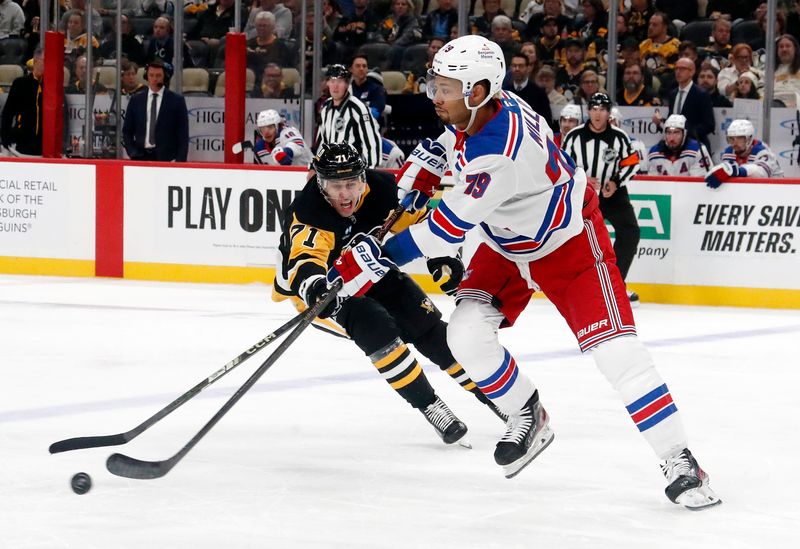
(321, 453)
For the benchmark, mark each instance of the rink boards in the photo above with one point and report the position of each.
(736, 245)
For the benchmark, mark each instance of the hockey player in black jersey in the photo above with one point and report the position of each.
(340, 201)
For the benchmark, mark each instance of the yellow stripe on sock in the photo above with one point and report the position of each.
(454, 368)
(414, 374)
(470, 386)
(391, 357)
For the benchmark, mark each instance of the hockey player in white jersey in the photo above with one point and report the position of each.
(745, 156)
(279, 144)
(677, 154)
(392, 156)
(615, 119)
(541, 229)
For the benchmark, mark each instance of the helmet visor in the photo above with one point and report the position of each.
(442, 88)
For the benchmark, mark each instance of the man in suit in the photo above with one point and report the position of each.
(691, 101)
(156, 122)
(520, 83)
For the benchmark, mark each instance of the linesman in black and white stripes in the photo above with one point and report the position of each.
(610, 161)
(345, 119)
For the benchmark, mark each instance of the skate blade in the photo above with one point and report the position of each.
(543, 440)
(464, 443)
(698, 499)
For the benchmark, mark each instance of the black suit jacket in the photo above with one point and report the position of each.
(698, 110)
(534, 96)
(172, 127)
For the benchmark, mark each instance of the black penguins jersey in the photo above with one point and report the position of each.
(314, 234)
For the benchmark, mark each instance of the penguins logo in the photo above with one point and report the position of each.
(427, 304)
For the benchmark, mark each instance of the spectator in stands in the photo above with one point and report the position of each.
(213, 24)
(162, 44)
(415, 82)
(78, 81)
(355, 30)
(502, 34)
(193, 8)
(568, 76)
(439, 21)
(691, 101)
(688, 50)
(157, 8)
(157, 123)
(638, 18)
(12, 19)
(570, 8)
(401, 28)
(283, 18)
(707, 79)
(761, 19)
(528, 49)
(719, 50)
(660, 51)
(589, 85)
(483, 23)
(128, 79)
(634, 93)
(80, 6)
(21, 121)
(454, 32)
(365, 87)
(332, 17)
(745, 156)
(549, 44)
(546, 79)
(742, 56)
(266, 47)
(522, 84)
(109, 7)
(787, 70)
(76, 37)
(131, 47)
(550, 9)
(746, 87)
(272, 84)
(741, 9)
(593, 28)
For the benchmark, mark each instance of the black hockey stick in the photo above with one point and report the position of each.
(78, 443)
(126, 466)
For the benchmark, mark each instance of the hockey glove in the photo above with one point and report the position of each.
(360, 267)
(420, 176)
(447, 272)
(283, 156)
(314, 289)
(722, 172)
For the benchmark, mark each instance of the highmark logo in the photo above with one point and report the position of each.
(654, 213)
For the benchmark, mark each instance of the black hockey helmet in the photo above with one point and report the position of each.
(338, 71)
(338, 161)
(600, 99)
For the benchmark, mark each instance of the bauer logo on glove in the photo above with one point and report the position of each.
(360, 267)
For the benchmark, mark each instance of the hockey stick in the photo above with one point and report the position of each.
(126, 466)
(78, 443)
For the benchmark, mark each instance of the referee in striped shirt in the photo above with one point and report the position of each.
(610, 161)
(345, 119)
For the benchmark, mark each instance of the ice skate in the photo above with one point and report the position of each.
(528, 433)
(688, 483)
(447, 425)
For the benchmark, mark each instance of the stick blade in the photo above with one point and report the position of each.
(128, 467)
(79, 443)
(236, 148)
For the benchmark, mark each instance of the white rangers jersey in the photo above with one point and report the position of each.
(692, 160)
(289, 149)
(761, 162)
(392, 156)
(512, 181)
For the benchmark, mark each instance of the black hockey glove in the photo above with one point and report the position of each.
(447, 272)
(316, 290)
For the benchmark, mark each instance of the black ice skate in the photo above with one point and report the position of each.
(688, 483)
(447, 425)
(528, 433)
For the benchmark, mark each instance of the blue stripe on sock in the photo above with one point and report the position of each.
(498, 373)
(663, 414)
(637, 405)
(505, 388)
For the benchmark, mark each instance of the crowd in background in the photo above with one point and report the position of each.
(556, 50)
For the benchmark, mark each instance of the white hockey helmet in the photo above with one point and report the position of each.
(615, 117)
(470, 59)
(571, 111)
(269, 117)
(676, 122)
(741, 128)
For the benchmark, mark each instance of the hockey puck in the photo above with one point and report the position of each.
(81, 483)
